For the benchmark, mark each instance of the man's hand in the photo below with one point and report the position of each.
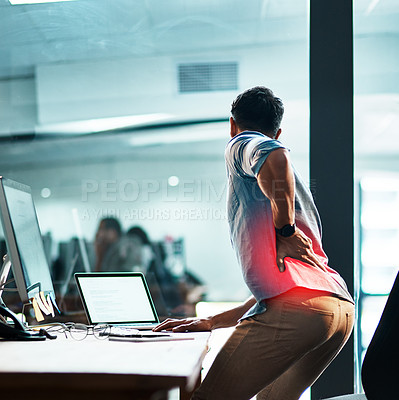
(223, 319)
(297, 246)
(185, 325)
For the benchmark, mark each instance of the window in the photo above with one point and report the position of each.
(376, 154)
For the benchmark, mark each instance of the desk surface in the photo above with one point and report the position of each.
(102, 365)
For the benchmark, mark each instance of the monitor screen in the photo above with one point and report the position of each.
(24, 241)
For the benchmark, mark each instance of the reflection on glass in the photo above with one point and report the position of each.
(376, 59)
(112, 98)
(372, 308)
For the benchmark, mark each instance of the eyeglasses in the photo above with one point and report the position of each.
(81, 331)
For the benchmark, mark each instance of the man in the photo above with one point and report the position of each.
(108, 233)
(300, 314)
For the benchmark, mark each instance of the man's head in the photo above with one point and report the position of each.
(140, 233)
(109, 231)
(257, 109)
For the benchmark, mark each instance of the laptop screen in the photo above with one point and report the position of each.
(116, 298)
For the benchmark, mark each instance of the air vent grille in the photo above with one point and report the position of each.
(208, 77)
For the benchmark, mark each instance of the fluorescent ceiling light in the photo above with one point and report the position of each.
(199, 133)
(102, 124)
(19, 2)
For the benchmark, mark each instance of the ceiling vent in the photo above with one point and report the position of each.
(208, 77)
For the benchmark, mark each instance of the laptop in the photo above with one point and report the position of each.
(119, 299)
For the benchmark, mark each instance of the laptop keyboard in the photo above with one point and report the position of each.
(123, 331)
(119, 331)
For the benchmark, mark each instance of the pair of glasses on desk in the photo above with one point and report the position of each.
(81, 331)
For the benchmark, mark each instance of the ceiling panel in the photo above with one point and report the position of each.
(84, 29)
(232, 11)
(89, 19)
(16, 27)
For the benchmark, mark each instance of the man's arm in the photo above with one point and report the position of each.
(277, 182)
(222, 320)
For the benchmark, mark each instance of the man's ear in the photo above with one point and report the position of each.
(278, 134)
(233, 127)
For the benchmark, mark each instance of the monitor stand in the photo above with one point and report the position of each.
(4, 271)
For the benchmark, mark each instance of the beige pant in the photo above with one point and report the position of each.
(279, 353)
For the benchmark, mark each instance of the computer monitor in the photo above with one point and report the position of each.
(24, 241)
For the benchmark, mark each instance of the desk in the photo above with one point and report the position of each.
(100, 369)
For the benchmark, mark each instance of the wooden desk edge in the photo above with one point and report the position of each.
(101, 381)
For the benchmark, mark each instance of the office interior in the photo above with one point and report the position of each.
(120, 109)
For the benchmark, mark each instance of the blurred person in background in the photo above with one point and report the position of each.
(108, 234)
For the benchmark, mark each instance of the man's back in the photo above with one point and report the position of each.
(252, 230)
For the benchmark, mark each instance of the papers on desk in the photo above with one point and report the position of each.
(149, 337)
(43, 305)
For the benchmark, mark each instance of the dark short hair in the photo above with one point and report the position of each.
(137, 231)
(257, 109)
(112, 223)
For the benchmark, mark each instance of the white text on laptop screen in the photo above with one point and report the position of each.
(117, 299)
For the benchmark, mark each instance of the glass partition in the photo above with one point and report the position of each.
(119, 109)
(376, 80)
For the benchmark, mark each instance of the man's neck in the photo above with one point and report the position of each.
(248, 130)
